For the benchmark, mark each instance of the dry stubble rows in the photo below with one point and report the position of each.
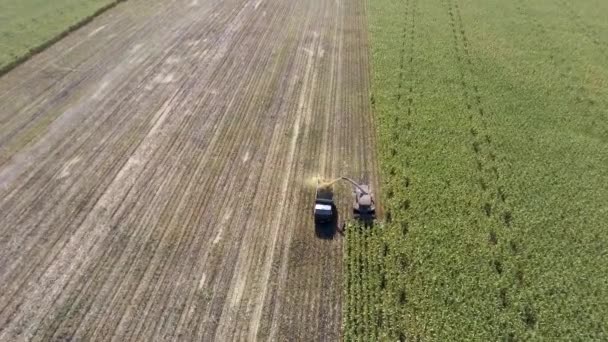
(155, 172)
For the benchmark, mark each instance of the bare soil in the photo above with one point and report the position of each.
(156, 167)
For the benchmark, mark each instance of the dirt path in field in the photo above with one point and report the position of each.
(156, 172)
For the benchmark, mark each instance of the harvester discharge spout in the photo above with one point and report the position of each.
(364, 208)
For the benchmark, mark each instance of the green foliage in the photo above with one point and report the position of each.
(364, 283)
(28, 26)
(493, 139)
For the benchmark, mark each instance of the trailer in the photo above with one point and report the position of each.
(325, 209)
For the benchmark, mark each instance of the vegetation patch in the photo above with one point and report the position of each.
(493, 147)
(30, 26)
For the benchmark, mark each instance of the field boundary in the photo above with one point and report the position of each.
(50, 42)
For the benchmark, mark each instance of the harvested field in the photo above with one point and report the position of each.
(155, 172)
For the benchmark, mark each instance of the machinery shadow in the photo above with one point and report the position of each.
(327, 230)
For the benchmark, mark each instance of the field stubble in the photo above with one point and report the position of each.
(153, 172)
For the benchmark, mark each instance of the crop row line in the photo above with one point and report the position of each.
(45, 178)
(398, 193)
(153, 292)
(370, 290)
(402, 122)
(366, 283)
(33, 109)
(169, 146)
(485, 157)
(118, 245)
(87, 199)
(315, 123)
(482, 146)
(4, 69)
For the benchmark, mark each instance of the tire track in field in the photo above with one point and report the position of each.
(398, 175)
(495, 207)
